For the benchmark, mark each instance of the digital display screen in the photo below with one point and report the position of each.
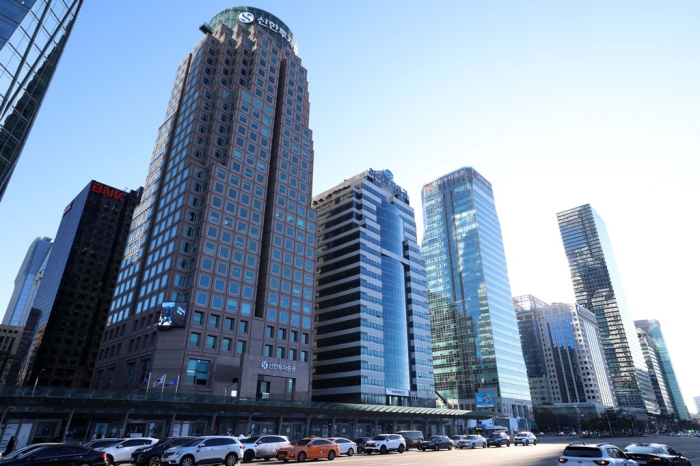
(172, 315)
(485, 400)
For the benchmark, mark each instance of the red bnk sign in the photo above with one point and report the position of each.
(107, 191)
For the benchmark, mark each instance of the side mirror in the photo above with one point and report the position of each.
(258, 442)
(120, 446)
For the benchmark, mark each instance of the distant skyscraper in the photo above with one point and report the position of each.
(653, 328)
(372, 321)
(216, 288)
(33, 34)
(79, 279)
(27, 282)
(656, 374)
(10, 337)
(562, 342)
(478, 360)
(697, 404)
(598, 288)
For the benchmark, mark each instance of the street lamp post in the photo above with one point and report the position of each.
(36, 381)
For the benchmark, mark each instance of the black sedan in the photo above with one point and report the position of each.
(436, 442)
(151, 454)
(360, 441)
(58, 455)
(655, 453)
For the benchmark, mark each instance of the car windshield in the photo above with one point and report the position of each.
(21, 451)
(472, 437)
(379, 437)
(435, 438)
(252, 439)
(641, 449)
(583, 452)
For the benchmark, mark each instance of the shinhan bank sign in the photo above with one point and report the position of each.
(247, 18)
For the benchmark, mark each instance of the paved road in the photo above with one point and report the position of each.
(544, 454)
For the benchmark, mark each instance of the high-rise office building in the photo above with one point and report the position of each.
(10, 336)
(33, 34)
(561, 342)
(651, 356)
(598, 288)
(478, 360)
(372, 322)
(74, 296)
(27, 282)
(216, 289)
(653, 329)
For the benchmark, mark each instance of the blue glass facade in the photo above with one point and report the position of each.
(653, 329)
(33, 34)
(476, 345)
(372, 325)
(598, 288)
(27, 282)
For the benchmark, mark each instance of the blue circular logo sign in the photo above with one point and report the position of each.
(388, 174)
(246, 17)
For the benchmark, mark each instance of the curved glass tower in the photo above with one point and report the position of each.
(476, 345)
(372, 324)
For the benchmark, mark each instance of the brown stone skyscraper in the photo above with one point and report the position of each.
(215, 292)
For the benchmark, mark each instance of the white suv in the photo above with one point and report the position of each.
(212, 449)
(263, 446)
(385, 443)
(593, 454)
(524, 438)
(120, 452)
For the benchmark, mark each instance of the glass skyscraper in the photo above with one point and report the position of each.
(27, 282)
(653, 328)
(478, 360)
(372, 322)
(216, 288)
(33, 34)
(598, 288)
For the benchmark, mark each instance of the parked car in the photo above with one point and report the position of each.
(23, 450)
(436, 442)
(151, 455)
(497, 439)
(212, 449)
(594, 454)
(656, 453)
(345, 446)
(360, 442)
(101, 443)
(120, 452)
(413, 438)
(385, 443)
(471, 441)
(309, 448)
(58, 454)
(263, 446)
(524, 438)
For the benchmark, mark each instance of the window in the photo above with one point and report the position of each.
(130, 368)
(267, 351)
(228, 324)
(211, 342)
(242, 326)
(240, 346)
(198, 318)
(214, 321)
(197, 372)
(282, 334)
(269, 332)
(293, 336)
(195, 339)
(225, 344)
(304, 356)
(280, 353)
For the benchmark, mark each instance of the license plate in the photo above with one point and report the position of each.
(282, 454)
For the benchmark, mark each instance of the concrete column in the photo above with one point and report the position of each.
(126, 421)
(172, 425)
(308, 425)
(213, 421)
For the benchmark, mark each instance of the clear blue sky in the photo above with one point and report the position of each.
(557, 104)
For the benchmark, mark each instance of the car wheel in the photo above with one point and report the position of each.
(488, 445)
(383, 450)
(483, 445)
(351, 452)
(436, 447)
(267, 458)
(369, 452)
(187, 461)
(331, 455)
(231, 459)
(534, 442)
(423, 448)
(507, 444)
(498, 444)
(110, 460)
(449, 447)
(302, 457)
(402, 449)
(473, 445)
(526, 443)
(248, 456)
(359, 449)
(154, 460)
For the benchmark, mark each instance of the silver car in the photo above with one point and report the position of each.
(471, 441)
